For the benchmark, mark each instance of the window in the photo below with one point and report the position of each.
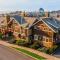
(50, 34)
(50, 40)
(40, 38)
(35, 37)
(42, 25)
(2, 21)
(45, 28)
(49, 29)
(44, 38)
(47, 39)
(35, 27)
(19, 35)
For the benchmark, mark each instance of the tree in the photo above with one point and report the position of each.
(1, 35)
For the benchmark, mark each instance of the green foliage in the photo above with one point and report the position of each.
(49, 50)
(10, 37)
(31, 54)
(42, 49)
(12, 41)
(1, 35)
(10, 33)
(52, 49)
(20, 42)
(35, 45)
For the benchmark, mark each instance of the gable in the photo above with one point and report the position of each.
(19, 19)
(44, 27)
(53, 24)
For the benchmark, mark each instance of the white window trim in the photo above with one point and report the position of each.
(35, 37)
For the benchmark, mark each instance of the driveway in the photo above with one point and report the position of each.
(11, 54)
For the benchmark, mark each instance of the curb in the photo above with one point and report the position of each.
(48, 57)
(23, 53)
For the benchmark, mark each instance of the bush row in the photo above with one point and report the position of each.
(35, 45)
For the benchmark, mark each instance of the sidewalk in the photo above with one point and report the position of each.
(48, 57)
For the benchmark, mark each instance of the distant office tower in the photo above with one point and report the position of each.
(41, 12)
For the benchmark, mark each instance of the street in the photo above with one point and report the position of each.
(11, 54)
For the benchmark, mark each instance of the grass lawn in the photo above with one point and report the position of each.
(31, 54)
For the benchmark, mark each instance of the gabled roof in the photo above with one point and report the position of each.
(18, 18)
(52, 23)
(24, 21)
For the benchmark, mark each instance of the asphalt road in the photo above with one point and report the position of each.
(11, 54)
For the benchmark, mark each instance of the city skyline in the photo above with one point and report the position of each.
(29, 5)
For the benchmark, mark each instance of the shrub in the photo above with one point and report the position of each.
(1, 35)
(42, 49)
(35, 45)
(10, 37)
(48, 50)
(52, 49)
(20, 42)
(12, 41)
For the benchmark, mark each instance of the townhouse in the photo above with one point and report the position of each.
(19, 26)
(46, 30)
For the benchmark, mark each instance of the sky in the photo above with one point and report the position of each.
(29, 5)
